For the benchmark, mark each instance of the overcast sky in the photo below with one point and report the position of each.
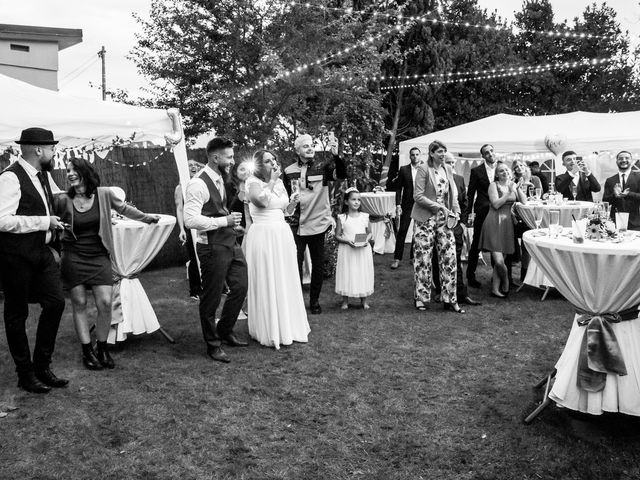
(110, 23)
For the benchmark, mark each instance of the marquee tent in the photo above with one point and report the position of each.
(595, 136)
(79, 122)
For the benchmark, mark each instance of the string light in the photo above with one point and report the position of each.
(479, 26)
(492, 71)
(398, 28)
(517, 72)
(319, 61)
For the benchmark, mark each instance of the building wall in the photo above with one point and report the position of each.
(38, 66)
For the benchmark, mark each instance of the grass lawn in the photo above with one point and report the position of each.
(391, 393)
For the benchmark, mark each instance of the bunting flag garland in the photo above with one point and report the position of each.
(63, 155)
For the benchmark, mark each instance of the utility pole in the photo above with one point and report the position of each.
(101, 54)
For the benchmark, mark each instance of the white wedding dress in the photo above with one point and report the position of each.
(277, 314)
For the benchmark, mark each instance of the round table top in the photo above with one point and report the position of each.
(540, 238)
(570, 205)
(594, 276)
(378, 204)
(567, 211)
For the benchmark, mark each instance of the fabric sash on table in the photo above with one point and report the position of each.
(387, 223)
(600, 353)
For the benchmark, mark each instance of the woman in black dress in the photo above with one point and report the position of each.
(86, 253)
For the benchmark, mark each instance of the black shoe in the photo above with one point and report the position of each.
(472, 282)
(89, 358)
(30, 383)
(217, 354)
(47, 377)
(315, 308)
(469, 301)
(233, 341)
(103, 355)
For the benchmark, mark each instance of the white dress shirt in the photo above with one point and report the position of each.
(414, 172)
(10, 199)
(196, 195)
(491, 171)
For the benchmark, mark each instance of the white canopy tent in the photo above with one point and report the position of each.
(80, 122)
(597, 137)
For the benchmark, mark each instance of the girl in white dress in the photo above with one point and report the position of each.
(354, 270)
(277, 314)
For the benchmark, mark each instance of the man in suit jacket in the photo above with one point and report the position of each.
(458, 233)
(622, 191)
(206, 209)
(29, 266)
(478, 199)
(404, 202)
(578, 174)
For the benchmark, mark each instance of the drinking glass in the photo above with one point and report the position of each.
(622, 220)
(538, 193)
(537, 216)
(606, 210)
(295, 185)
(554, 221)
(574, 191)
(530, 192)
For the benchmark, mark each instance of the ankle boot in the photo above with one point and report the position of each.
(103, 355)
(89, 358)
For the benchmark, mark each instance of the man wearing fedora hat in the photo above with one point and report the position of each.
(28, 266)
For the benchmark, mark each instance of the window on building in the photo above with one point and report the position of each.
(19, 48)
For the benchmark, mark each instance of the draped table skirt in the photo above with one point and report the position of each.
(135, 244)
(596, 277)
(381, 208)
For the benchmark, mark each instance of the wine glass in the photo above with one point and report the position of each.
(574, 191)
(537, 216)
(538, 193)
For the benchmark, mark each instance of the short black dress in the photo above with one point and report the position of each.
(86, 261)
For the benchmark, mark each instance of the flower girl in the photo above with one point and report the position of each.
(354, 271)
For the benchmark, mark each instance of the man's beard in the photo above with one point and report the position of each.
(225, 173)
(47, 167)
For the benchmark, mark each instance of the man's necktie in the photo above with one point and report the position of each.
(44, 181)
(623, 182)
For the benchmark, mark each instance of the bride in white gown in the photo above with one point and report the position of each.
(277, 314)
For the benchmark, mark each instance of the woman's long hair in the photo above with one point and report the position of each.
(259, 170)
(87, 174)
(433, 146)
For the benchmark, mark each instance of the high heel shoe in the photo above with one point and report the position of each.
(497, 295)
(454, 307)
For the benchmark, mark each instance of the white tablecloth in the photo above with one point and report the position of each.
(381, 204)
(135, 244)
(597, 277)
(577, 209)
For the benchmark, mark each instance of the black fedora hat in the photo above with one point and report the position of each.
(36, 136)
